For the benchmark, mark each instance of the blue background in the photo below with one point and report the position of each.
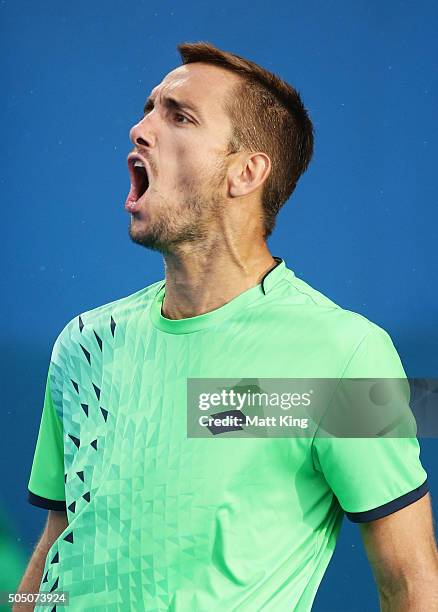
(360, 227)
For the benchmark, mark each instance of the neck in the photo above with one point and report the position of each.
(201, 279)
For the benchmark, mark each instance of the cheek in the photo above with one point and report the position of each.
(177, 162)
(188, 164)
(188, 172)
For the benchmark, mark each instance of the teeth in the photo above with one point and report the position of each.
(138, 164)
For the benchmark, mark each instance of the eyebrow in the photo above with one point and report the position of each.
(173, 104)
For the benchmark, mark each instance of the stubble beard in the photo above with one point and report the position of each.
(188, 223)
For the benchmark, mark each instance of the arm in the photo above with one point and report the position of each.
(402, 551)
(30, 583)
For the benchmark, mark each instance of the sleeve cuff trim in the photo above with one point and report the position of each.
(390, 507)
(43, 502)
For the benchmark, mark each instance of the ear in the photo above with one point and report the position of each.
(248, 173)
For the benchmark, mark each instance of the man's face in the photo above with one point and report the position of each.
(183, 141)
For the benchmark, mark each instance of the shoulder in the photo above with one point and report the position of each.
(100, 324)
(307, 310)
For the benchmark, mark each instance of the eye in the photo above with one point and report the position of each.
(179, 116)
(148, 108)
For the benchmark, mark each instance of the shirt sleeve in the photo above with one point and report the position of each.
(46, 487)
(372, 477)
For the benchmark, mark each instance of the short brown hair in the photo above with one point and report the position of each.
(267, 115)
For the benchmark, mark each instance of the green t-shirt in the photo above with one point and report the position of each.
(162, 521)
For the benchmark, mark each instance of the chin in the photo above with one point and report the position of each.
(147, 238)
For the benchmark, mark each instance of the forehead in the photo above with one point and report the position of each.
(204, 85)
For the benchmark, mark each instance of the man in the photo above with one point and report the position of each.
(143, 517)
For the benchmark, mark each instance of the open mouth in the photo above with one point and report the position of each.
(139, 179)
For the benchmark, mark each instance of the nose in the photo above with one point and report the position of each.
(141, 134)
